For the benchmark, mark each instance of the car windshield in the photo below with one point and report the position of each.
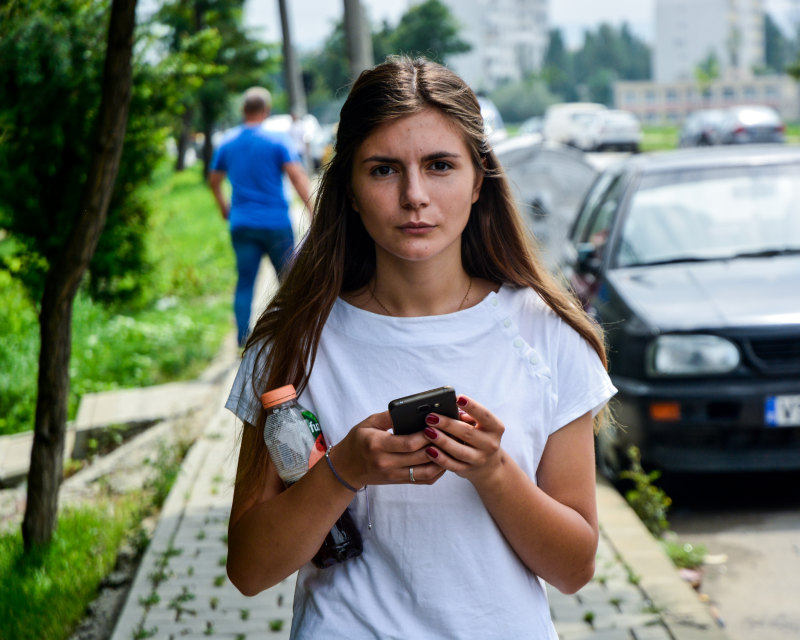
(712, 215)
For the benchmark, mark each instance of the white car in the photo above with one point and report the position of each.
(562, 121)
(610, 129)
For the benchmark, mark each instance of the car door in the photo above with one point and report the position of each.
(590, 234)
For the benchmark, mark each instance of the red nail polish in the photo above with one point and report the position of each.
(433, 453)
(431, 433)
(432, 418)
(462, 401)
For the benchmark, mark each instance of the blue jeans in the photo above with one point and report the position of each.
(250, 245)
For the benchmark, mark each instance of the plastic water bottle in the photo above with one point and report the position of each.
(295, 442)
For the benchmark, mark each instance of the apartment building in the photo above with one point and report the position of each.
(508, 38)
(688, 31)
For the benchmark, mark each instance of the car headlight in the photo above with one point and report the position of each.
(691, 355)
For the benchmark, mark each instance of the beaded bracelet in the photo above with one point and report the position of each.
(338, 477)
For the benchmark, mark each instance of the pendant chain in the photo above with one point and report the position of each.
(389, 313)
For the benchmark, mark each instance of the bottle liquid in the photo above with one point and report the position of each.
(295, 442)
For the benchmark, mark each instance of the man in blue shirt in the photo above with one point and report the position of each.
(255, 161)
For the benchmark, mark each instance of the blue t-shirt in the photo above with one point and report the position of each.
(253, 158)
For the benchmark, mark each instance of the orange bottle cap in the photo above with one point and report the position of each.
(277, 396)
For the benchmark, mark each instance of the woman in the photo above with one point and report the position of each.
(416, 273)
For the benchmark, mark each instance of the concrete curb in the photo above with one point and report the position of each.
(683, 614)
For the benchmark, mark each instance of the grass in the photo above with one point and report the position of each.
(44, 594)
(171, 335)
(659, 138)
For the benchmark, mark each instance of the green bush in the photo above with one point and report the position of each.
(649, 502)
(169, 333)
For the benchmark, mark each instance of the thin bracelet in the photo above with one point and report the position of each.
(338, 477)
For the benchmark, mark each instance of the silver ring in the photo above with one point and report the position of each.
(411, 474)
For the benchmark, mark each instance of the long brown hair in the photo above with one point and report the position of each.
(337, 255)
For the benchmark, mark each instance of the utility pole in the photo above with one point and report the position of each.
(291, 66)
(359, 39)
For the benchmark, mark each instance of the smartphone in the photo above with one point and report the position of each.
(408, 413)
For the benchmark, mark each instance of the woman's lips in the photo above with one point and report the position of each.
(417, 228)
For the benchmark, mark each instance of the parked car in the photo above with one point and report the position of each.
(690, 259)
(548, 181)
(701, 128)
(563, 120)
(534, 124)
(612, 129)
(751, 124)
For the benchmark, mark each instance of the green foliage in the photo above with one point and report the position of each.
(428, 29)
(683, 554)
(607, 54)
(706, 72)
(778, 49)
(649, 502)
(51, 64)
(519, 101)
(44, 594)
(227, 59)
(172, 334)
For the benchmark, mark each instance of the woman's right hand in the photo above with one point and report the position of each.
(369, 454)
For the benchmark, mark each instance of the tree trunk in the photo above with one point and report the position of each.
(184, 138)
(208, 147)
(64, 277)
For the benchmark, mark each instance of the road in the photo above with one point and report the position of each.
(752, 525)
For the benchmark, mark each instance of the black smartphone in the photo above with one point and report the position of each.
(408, 413)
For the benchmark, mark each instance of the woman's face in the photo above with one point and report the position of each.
(413, 185)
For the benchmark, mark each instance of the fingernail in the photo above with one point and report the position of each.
(462, 401)
(431, 433)
(432, 418)
(432, 452)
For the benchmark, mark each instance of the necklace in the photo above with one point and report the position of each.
(389, 313)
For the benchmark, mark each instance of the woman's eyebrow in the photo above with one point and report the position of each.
(436, 155)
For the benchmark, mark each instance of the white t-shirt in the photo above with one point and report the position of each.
(434, 564)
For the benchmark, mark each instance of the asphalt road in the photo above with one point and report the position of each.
(751, 523)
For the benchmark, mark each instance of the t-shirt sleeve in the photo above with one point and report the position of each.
(243, 400)
(287, 151)
(218, 162)
(583, 383)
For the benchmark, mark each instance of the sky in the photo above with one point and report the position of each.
(313, 20)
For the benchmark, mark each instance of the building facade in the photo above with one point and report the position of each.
(508, 39)
(689, 31)
(669, 103)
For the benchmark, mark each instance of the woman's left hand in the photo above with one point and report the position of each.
(478, 454)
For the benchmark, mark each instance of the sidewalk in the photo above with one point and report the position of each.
(181, 589)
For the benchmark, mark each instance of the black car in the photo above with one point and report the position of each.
(690, 260)
(548, 181)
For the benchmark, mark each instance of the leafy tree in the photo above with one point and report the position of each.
(213, 31)
(557, 68)
(777, 47)
(428, 29)
(706, 72)
(53, 54)
(606, 55)
(519, 101)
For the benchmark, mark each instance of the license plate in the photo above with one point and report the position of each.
(782, 411)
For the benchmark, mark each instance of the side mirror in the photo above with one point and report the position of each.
(588, 261)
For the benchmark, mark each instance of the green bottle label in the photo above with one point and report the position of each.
(312, 423)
